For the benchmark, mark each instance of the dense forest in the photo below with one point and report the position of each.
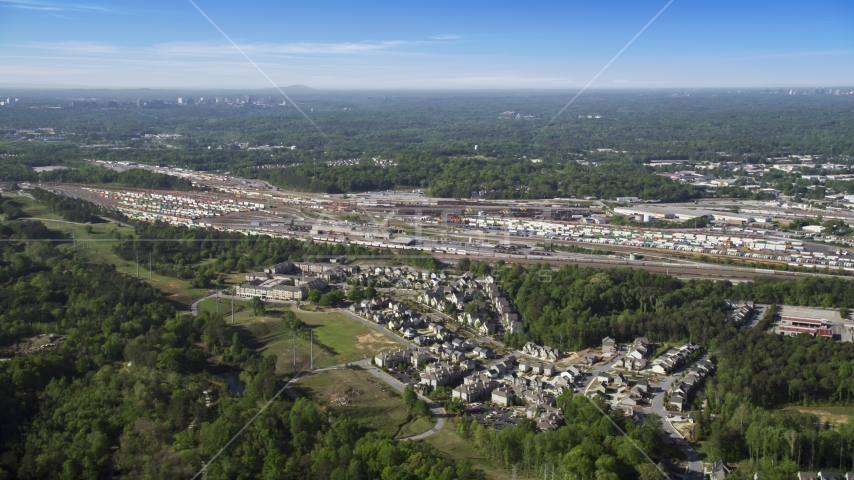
(176, 251)
(657, 122)
(458, 177)
(70, 209)
(136, 177)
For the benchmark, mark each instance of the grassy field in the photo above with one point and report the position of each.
(371, 401)
(97, 246)
(31, 207)
(414, 427)
(337, 338)
(346, 339)
(448, 442)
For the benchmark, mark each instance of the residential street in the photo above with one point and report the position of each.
(695, 465)
(435, 408)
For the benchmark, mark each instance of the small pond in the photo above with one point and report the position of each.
(235, 384)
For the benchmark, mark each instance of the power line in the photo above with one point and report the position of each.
(251, 420)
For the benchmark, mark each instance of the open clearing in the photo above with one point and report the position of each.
(356, 394)
(827, 414)
(337, 338)
(449, 443)
(97, 246)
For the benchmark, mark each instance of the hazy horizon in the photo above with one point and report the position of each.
(473, 90)
(442, 46)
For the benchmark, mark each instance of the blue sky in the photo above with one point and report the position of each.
(427, 45)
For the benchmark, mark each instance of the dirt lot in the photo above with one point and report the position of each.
(36, 344)
(827, 414)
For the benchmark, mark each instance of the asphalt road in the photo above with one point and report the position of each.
(695, 465)
(194, 308)
(435, 408)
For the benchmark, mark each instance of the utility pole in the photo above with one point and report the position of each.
(232, 308)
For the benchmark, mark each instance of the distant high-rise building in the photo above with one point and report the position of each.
(248, 99)
(140, 103)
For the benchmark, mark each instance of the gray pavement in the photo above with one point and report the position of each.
(435, 408)
(695, 465)
(194, 308)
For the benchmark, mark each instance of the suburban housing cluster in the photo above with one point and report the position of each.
(741, 311)
(505, 382)
(674, 359)
(441, 358)
(686, 386)
(636, 358)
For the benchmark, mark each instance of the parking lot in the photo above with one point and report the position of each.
(495, 417)
(404, 377)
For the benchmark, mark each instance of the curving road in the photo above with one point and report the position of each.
(194, 308)
(435, 408)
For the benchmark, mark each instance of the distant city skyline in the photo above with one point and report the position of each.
(440, 45)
